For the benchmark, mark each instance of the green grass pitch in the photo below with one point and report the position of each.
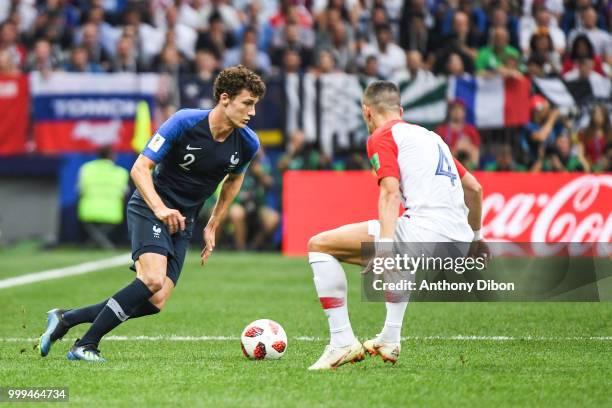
(557, 354)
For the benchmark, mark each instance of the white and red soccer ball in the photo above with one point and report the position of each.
(263, 339)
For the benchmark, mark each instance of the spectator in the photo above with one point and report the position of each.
(250, 215)
(495, 57)
(542, 18)
(248, 54)
(600, 39)
(294, 40)
(348, 10)
(196, 90)
(126, 59)
(454, 66)
(377, 18)
(391, 58)
(459, 42)
(148, 40)
(109, 35)
(325, 63)
(96, 52)
(169, 60)
(541, 45)
(338, 41)
(53, 26)
(7, 65)
(499, 17)
(289, 12)
(370, 69)
(541, 131)
(536, 66)
(216, 39)
(229, 15)
(254, 59)
(504, 160)
(184, 36)
(582, 48)
(416, 35)
(475, 15)
(42, 58)
(102, 187)
(571, 17)
(292, 62)
(302, 156)
(594, 138)
(8, 43)
(415, 69)
(561, 157)
(459, 135)
(21, 13)
(79, 61)
(189, 14)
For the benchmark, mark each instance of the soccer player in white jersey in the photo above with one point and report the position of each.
(443, 203)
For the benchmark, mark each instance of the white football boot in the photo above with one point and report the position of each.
(387, 351)
(334, 357)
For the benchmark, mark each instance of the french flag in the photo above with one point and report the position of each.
(495, 102)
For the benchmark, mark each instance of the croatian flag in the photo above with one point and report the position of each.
(492, 102)
(79, 112)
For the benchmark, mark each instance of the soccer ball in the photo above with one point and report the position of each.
(263, 339)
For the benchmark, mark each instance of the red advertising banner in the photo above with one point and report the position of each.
(517, 207)
(14, 117)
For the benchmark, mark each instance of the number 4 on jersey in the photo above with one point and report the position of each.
(444, 167)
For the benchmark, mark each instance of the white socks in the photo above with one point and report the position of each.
(330, 282)
(392, 330)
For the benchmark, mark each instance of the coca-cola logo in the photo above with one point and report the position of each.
(578, 210)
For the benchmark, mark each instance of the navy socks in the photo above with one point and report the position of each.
(117, 309)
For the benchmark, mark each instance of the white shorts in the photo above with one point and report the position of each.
(405, 231)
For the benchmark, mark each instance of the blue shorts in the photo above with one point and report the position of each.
(149, 234)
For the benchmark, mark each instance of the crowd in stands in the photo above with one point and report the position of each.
(376, 39)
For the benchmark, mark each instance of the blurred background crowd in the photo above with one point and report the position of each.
(372, 39)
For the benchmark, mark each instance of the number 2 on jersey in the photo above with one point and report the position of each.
(189, 158)
(444, 167)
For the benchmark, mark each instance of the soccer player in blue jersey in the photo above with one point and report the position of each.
(191, 154)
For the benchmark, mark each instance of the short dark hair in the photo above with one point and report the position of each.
(105, 152)
(233, 80)
(382, 96)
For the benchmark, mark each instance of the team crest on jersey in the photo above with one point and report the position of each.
(156, 231)
(234, 160)
(375, 162)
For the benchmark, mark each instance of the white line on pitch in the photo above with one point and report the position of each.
(308, 338)
(79, 269)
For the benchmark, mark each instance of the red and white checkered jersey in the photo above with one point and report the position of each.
(429, 176)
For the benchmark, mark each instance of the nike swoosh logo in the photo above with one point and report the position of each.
(193, 148)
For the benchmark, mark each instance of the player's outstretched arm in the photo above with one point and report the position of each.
(229, 190)
(388, 206)
(472, 191)
(141, 174)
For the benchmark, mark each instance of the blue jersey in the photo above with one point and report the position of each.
(190, 163)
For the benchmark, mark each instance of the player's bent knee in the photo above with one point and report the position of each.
(322, 243)
(316, 243)
(154, 283)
